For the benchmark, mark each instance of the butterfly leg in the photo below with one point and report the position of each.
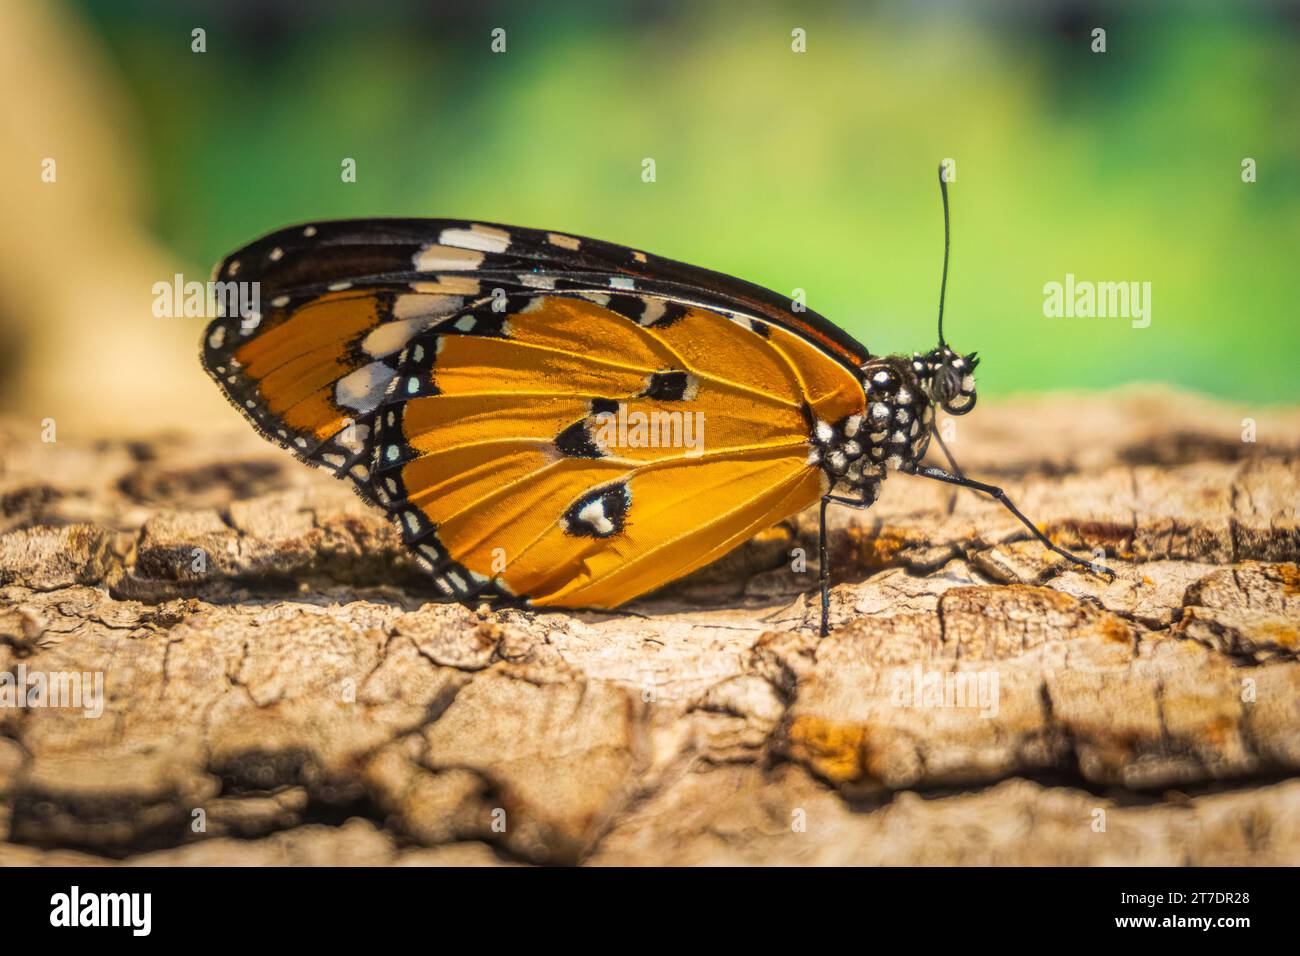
(824, 570)
(952, 462)
(823, 566)
(938, 474)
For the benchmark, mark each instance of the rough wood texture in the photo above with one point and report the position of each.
(270, 659)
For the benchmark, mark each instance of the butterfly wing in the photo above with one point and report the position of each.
(540, 423)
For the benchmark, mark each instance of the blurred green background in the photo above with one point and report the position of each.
(812, 170)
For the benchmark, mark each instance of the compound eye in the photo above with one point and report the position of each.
(947, 384)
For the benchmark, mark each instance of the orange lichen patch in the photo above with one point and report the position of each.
(1275, 632)
(1090, 534)
(1108, 531)
(1290, 575)
(1219, 728)
(1113, 629)
(876, 549)
(830, 749)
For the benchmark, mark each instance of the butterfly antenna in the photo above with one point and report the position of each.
(943, 284)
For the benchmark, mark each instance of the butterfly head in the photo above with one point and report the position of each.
(948, 378)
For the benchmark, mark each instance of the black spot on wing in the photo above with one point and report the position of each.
(391, 452)
(629, 306)
(600, 513)
(414, 368)
(668, 386)
(670, 313)
(415, 383)
(576, 442)
(489, 319)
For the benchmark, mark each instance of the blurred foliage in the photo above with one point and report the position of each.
(811, 170)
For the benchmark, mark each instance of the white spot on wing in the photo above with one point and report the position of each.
(594, 514)
(654, 311)
(692, 388)
(362, 389)
(354, 437)
(482, 238)
(440, 258)
(426, 307)
(392, 336)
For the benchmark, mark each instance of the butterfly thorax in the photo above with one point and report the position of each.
(893, 432)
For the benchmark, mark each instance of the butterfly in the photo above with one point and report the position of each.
(564, 422)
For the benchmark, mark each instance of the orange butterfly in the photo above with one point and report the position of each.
(562, 421)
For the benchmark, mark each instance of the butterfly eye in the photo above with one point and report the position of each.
(947, 384)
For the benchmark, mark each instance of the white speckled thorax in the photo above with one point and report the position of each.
(893, 433)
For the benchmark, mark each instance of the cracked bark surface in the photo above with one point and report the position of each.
(272, 659)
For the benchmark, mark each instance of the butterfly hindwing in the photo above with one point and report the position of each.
(563, 451)
(538, 424)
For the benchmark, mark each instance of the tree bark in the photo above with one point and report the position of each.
(280, 686)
